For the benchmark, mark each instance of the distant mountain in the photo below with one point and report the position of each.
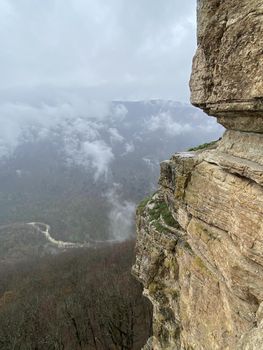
(84, 172)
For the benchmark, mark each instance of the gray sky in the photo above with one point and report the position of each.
(111, 49)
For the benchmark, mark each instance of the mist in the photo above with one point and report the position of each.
(87, 130)
(121, 215)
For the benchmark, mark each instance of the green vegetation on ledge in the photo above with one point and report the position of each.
(161, 210)
(142, 205)
(204, 146)
(158, 212)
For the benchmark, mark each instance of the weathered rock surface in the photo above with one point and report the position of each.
(200, 237)
(228, 66)
(204, 273)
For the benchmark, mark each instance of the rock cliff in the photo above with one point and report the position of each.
(200, 236)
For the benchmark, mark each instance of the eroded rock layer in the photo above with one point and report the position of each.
(228, 66)
(200, 249)
(200, 237)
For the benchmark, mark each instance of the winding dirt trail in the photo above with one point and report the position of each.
(45, 230)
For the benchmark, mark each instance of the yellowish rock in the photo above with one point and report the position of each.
(204, 274)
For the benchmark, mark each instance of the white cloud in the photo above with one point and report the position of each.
(164, 121)
(78, 123)
(121, 215)
(129, 148)
(119, 112)
(115, 136)
(151, 163)
(96, 155)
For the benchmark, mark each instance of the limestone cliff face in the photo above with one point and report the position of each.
(200, 237)
(228, 65)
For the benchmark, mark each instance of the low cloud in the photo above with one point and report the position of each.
(165, 122)
(89, 132)
(151, 163)
(79, 125)
(115, 136)
(99, 156)
(121, 215)
(174, 125)
(129, 148)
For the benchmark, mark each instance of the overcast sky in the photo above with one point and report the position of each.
(111, 49)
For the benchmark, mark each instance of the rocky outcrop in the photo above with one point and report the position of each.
(200, 237)
(228, 66)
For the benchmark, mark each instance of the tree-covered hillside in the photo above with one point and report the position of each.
(82, 299)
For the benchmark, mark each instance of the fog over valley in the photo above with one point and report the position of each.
(82, 166)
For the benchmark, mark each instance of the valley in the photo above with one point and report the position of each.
(83, 176)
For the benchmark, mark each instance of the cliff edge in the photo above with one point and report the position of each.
(200, 237)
